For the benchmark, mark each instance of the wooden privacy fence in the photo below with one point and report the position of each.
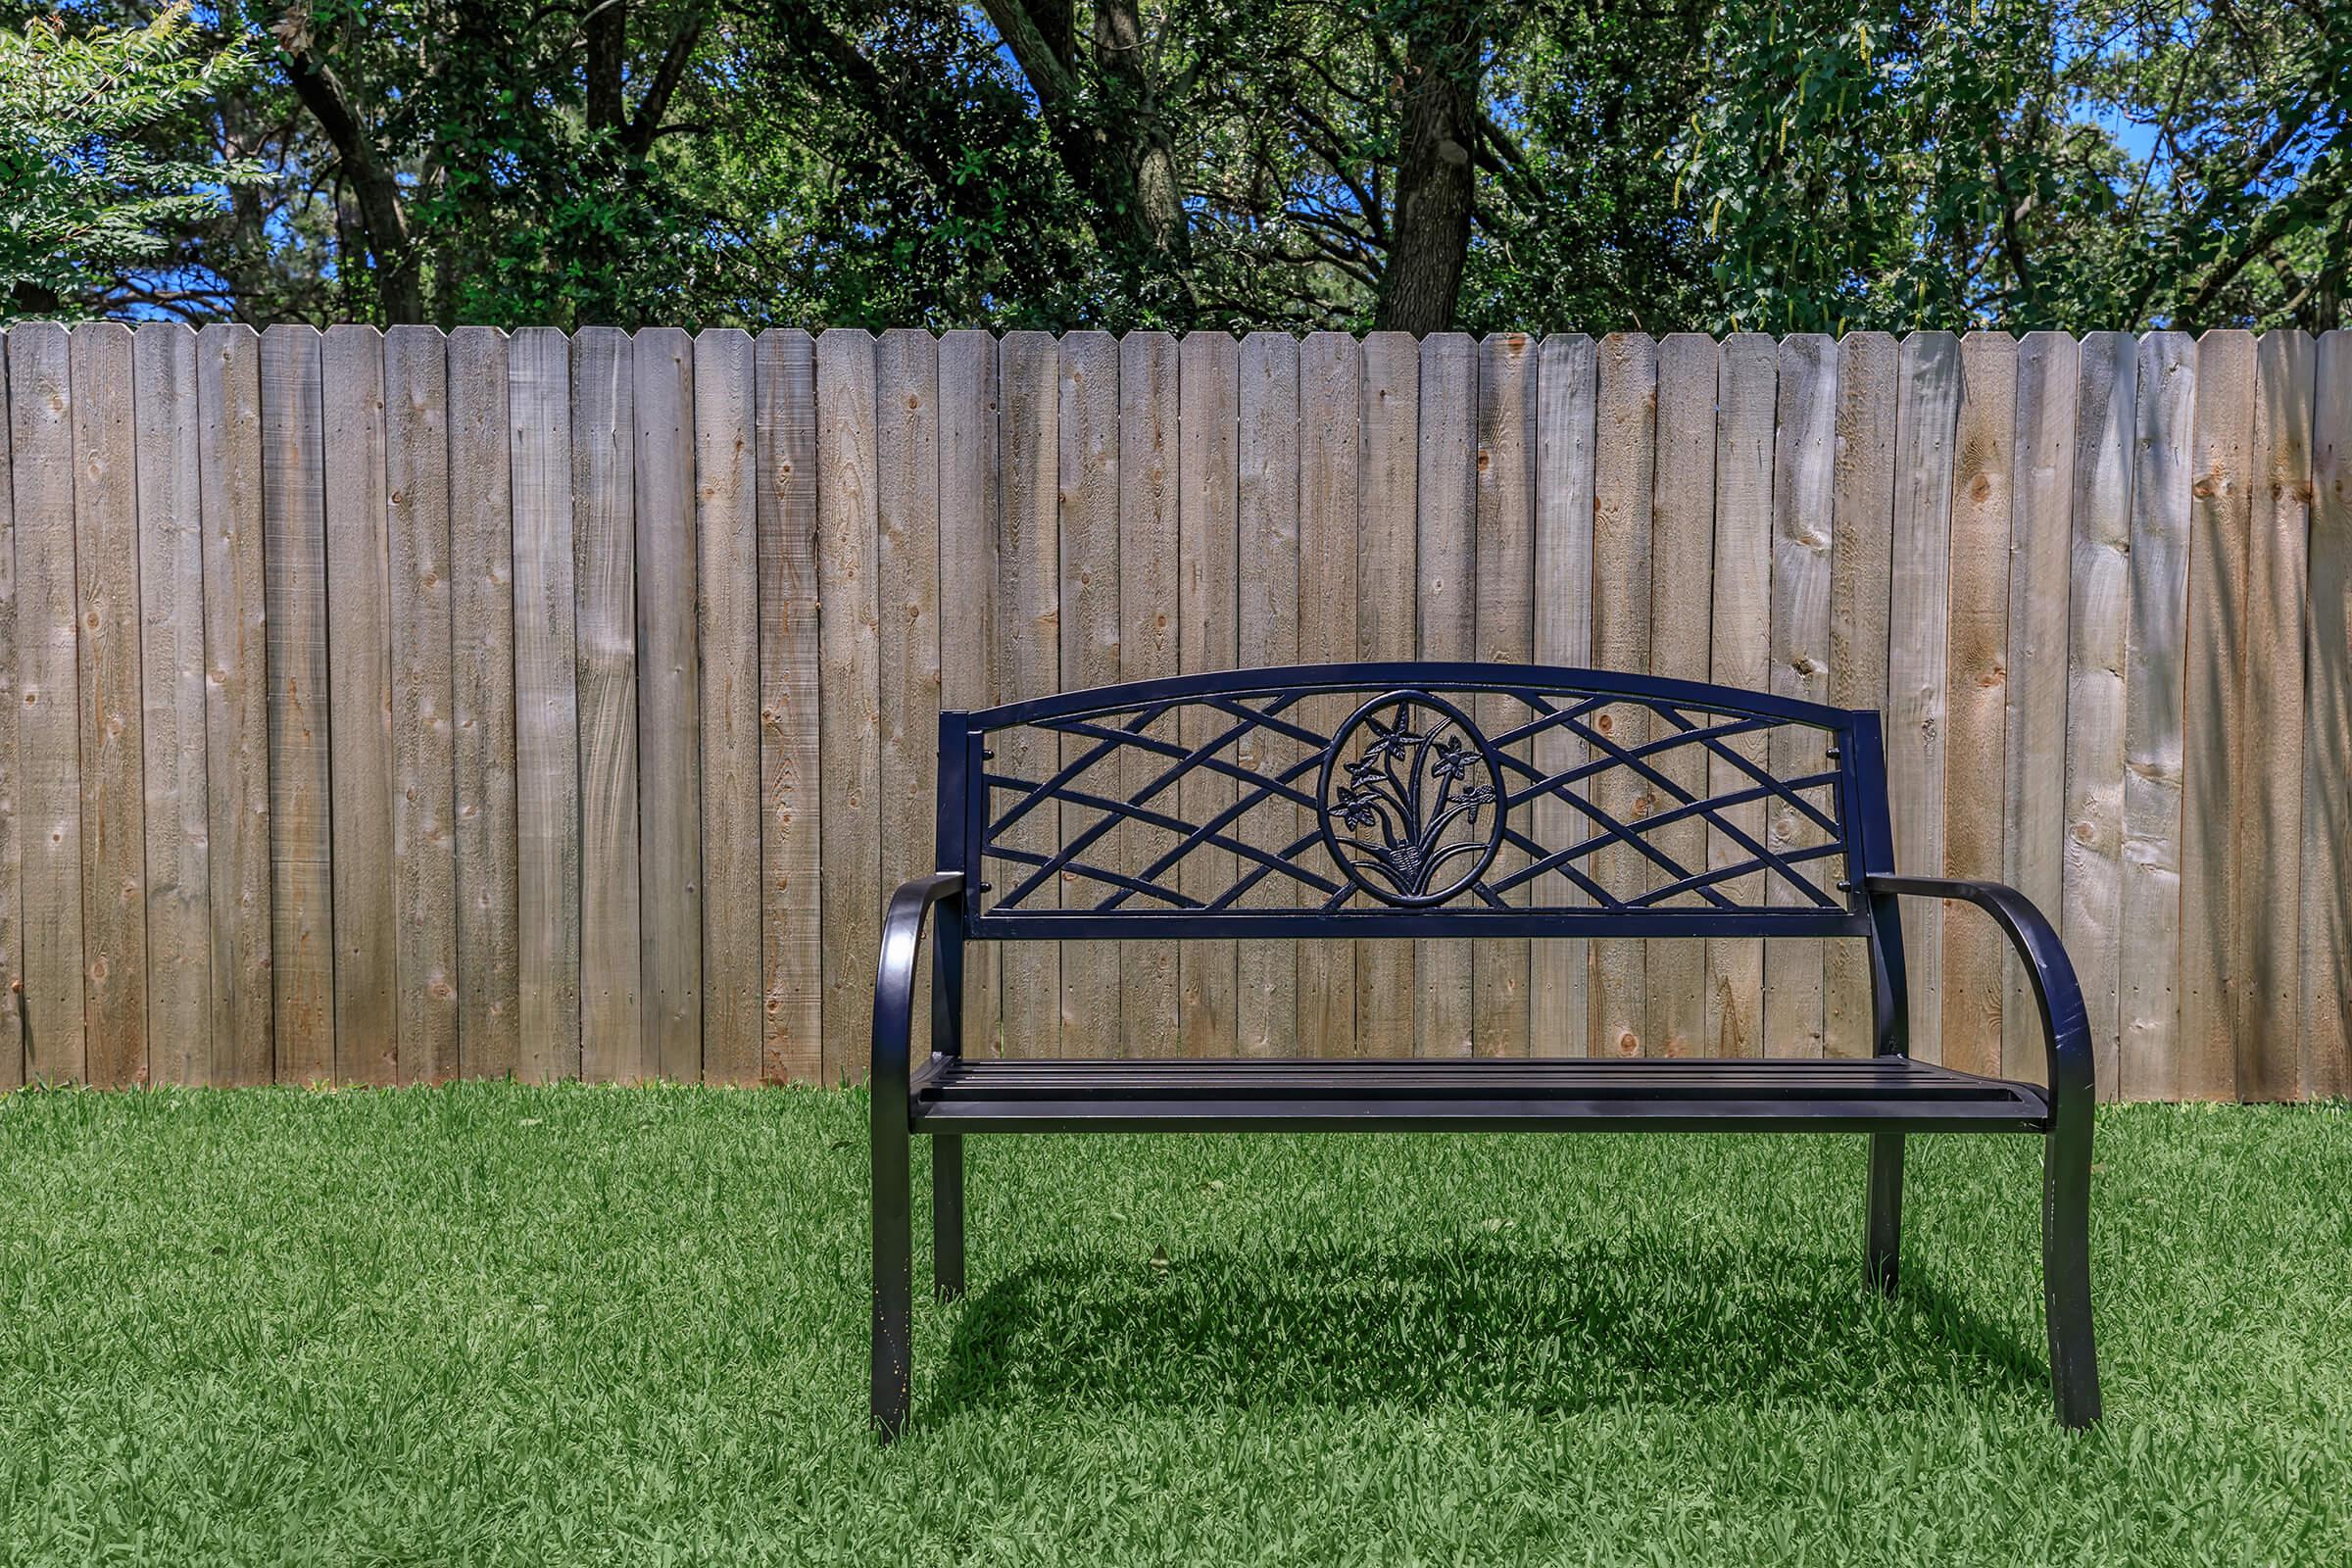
(388, 707)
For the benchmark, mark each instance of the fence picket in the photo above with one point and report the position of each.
(1681, 557)
(171, 681)
(1330, 458)
(1861, 587)
(11, 857)
(792, 911)
(2324, 951)
(2040, 558)
(1803, 540)
(2213, 793)
(2268, 841)
(302, 959)
(106, 591)
(727, 632)
(1387, 558)
(1266, 632)
(603, 538)
(425, 867)
(1149, 645)
(2155, 679)
(1740, 654)
(548, 759)
(482, 599)
(2092, 899)
(1624, 458)
(1028, 652)
(1975, 698)
(1087, 425)
(1503, 578)
(1559, 1021)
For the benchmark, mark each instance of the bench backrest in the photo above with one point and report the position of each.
(1409, 800)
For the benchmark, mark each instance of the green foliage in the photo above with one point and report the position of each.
(503, 1325)
(84, 196)
(1715, 163)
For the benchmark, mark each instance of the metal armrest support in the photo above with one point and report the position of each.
(2065, 1024)
(894, 988)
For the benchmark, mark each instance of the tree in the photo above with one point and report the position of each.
(85, 198)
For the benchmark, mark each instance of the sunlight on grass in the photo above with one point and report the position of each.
(492, 1324)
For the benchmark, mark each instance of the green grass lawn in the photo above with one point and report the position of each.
(493, 1324)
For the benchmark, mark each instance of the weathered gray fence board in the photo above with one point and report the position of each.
(968, 510)
(1208, 549)
(548, 761)
(2041, 558)
(302, 959)
(727, 632)
(1447, 607)
(1625, 427)
(792, 911)
(670, 691)
(1266, 632)
(12, 859)
(1559, 1019)
(1740, 654)
(2098, 624)
(423, 743)
(1028, 656)
(1330, 458)
(1388, 544)
(2154, 678)
(2213, 794)
(1087, 428)
(1682, 553)
(1918, 653)
(390, 708)
(604, 526)
(1503, 584)
(2269, 741)
(1803, 536)
(2325, 927)
(1149, 624)
(49, 724)
(1861, 581)
(1976, 699)
(358, 718)
(106, 584)
(171, 690)
(906, 596)
(482, 676)
(847, 692)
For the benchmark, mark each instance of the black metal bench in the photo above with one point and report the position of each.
(1364, 801)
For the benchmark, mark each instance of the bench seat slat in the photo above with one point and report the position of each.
(1888, 1094)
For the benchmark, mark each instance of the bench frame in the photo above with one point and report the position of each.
(948, 904)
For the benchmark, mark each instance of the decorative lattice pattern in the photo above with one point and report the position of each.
(1319, 799)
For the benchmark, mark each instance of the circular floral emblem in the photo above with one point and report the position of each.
(1413, 799)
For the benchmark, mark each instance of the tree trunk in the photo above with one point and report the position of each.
(1421, 287)
(398, 274)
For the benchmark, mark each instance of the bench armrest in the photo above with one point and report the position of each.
(2065, 1024)
(894, 983)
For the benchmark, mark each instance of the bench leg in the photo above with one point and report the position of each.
(947, 1215)
(1882, 1242)
(2066, 1271)
(894, 1277)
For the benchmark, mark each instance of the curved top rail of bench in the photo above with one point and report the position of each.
(1440, 674)
(1397, 798)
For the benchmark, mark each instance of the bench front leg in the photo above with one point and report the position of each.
(890, 1078)
(2066, 1145)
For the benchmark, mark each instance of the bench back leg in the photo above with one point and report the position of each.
(1882, 1242)
(2066, 1266)
(894, 1271)
(947, 1215)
